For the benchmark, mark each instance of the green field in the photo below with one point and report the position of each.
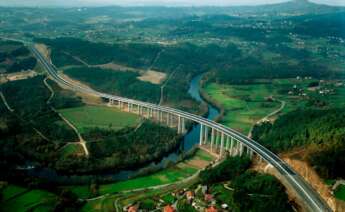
(17, 200)
(11, 191)
(244, 105)
(71, 149)
(170, 175)
(340, 192)
(99, 116)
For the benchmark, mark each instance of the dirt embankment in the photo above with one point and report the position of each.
(209, 99)
(309, 174)
(44, 50)
(153, 77)
(86, 98)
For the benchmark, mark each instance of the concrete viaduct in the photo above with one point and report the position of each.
(217, 137)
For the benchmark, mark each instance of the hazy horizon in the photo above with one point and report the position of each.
(79, 3)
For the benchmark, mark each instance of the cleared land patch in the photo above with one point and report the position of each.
(99, 116)
(153, 77)
(72, 149)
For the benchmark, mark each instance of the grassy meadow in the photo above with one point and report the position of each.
(244, 105)
(99, 116)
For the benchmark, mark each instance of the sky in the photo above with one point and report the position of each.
(35, 3)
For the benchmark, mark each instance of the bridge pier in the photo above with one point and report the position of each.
(179, 124)
(232, 146)
(218, 142)
(212, 139)
(183, 126)
(201, 134)
(221, 145)
(205, 135)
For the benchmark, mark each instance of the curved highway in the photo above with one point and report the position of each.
(306, 193)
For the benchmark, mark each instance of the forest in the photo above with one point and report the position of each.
(250, 189)
(35, 110)
(15, 57)
(119, 83)
(132, 54)
(124, 149)
(322, 128)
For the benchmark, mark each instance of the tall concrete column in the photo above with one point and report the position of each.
(167, 119)
(212, 139)
(232, 147)
(183, 126)
(201, 134)
(217, 140)
(205, 135)
(227, 143)
(160, 116)
(222, 145)
(241, 149)
(179, 124)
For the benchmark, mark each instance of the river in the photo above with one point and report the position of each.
(189, 141)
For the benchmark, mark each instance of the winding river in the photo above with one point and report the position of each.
(189, 141)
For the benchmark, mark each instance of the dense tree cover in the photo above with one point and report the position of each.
(122, 149)
(21, 51)
(20, 142)
(324, 128)
(252, 191)
(64, 98)
(196, 59)
(249, 69)
(35, 110)
(322, 25)
(23, 64)
(117, 82)
(131, 54)
(17, 56)
(259, 192)
(60, 58)
(227, 170)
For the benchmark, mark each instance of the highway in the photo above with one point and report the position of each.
(305, 192)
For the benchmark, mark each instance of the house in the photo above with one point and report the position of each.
(225, 206)
(190, 195)
(168, 208)
(211, 209)
(208, 197)
(133, 208)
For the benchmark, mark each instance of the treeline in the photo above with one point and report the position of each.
(23, 65)
(61, 58)
(17, 56)
(194, 59)
(117, 82)
(251, 191)
(64, 98)
(29, 100)
(324, 25)
(131, 54)
(323, 128)
(127, 148)
(249, 69)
